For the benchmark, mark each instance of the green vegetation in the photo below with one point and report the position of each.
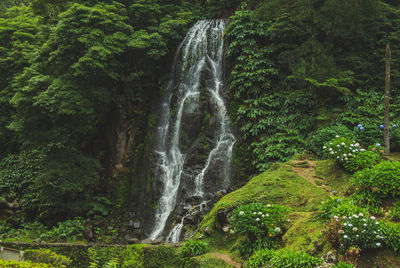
(47, 256)
(79, 83)
(15, 264)
(193, 248)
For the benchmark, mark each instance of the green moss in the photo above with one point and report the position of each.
(210, 261)
(279, 186)
(305, 233)
(334, 176)
(393, 157)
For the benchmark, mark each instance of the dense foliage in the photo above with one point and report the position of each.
(71, 70)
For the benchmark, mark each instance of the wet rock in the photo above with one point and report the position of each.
(137, 225)
(157, 241)
(146, 241)
(191, 220)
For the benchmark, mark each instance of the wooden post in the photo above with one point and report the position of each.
(387, 94)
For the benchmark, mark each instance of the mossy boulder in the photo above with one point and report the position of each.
(278, 185)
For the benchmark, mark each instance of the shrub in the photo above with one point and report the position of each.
(369, 200)
(287, 258)
(47, 256)
(24, 264)
(395, 211)
(256, 220)
(193, 248)
(260, 258)
(343, 265)
(71, 230)
(339, 206)
(316, 140)
(391, 231)
(341, 149)
(383, 179)
(247, 247)
(362, 160)
(361, 231)
(368, 133)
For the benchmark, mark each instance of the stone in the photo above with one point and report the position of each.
(131, 240)
(146, 241)
(330, 257)
(157, 241)
(137, 225)
(226, 228)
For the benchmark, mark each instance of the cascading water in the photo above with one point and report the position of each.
(197, 71)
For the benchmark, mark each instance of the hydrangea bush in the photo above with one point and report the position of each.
(361, 231)
(341, 149)
(351, 155)
(341, 206)
(382, 179)
(256, 220)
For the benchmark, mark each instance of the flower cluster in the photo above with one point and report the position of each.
(341, 149)
(361, 231)
(257, 220)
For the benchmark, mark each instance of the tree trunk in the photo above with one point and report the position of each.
(387, 94)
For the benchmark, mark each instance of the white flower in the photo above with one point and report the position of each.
(350, 225)
(376, 222)
(257, 219)
(335, 217)
(345, 236)
(361, 215)
(267, 215)
(378, 244)
(330, 149)
(332, 152)
(268, 205)
(357, 144)
(344, 154)
(345, 224)
(378, 237)
(241, 213)
(337, 136)
(364, 224)
(364, 220)
(330, 143)
(355, 229)
(355, 216)
(346, 159)
(349, 154)
(260, 213)
(324, 147)
(277, 230)
(372, 218)
(263, 215)
(343, 143)
(254, 213)
(378, 144)
(362, 150)
(357, 235)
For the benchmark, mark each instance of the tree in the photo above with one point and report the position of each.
(387, 95)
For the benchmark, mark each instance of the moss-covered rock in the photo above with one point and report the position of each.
(279, 185)
(305, 233)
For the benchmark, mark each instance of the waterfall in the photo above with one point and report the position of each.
(200, 54)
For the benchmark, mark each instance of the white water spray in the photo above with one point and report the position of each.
(201, 49)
